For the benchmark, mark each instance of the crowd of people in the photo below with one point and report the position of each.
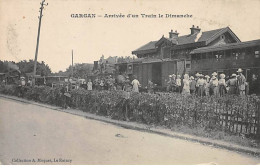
(110, 83)
(199, 84)
(205, 85)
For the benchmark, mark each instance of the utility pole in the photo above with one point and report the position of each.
(72, 65)
(38, 38)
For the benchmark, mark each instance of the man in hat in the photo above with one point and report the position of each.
(241, 82)
(192, 85)
(222, 84)
(207, 85)
(178, 83)
(201, 84)
(214, 85)
(214, 74)
(127, 88)
(232, 84)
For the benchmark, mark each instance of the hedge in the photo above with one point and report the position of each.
(164, 109)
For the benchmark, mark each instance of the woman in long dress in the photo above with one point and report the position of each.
(136, 85)
(186, 85)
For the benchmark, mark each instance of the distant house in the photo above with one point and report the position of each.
(180, 54)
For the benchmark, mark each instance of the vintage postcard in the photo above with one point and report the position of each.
(133, 82)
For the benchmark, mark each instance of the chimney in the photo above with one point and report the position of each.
(194, 30)
(173, 34)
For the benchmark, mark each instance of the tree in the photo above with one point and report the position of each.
(79, 70)
(27, 67)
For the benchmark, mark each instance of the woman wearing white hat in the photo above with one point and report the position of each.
(222, 84)
(241, 82)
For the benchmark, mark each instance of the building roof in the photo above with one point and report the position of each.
(227, 46)
(206, 36)
(148, 46)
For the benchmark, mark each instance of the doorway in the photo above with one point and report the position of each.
(157, 73)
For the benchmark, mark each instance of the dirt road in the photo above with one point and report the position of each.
(30, 134)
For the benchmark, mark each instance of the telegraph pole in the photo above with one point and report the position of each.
(38, 38)
(72, 65)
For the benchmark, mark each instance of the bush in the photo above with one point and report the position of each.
(165, 109)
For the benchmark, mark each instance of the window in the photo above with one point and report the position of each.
(216, 55)
(238, 54)
(187, 65)
(233, 54)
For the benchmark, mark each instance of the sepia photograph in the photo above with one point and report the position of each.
(133, 82)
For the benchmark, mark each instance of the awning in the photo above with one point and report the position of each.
(226, 47)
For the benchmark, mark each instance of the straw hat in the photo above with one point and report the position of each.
(186, 76)
(214, 74)
(191, 77)
(207, 76)
(170, 76)
(239, 70)
(173, 75)
(201, 76)
(222, 76)
(214, 77)
(197, 74)
(233, 75)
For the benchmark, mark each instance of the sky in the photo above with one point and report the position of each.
(90, 38)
